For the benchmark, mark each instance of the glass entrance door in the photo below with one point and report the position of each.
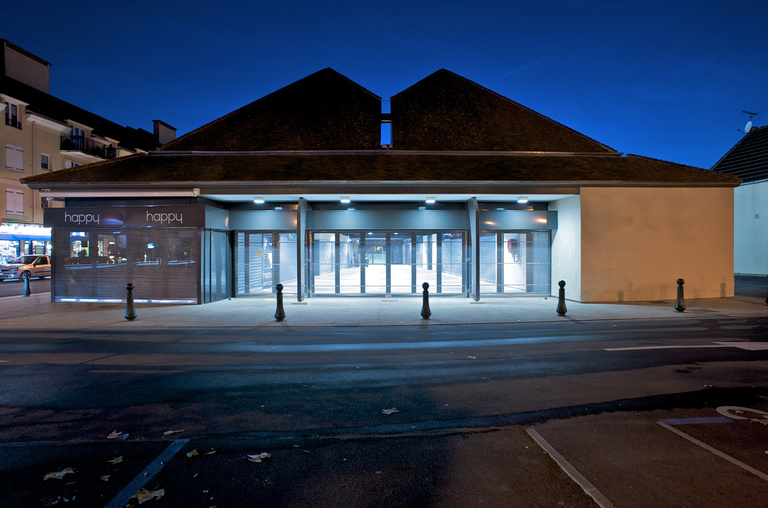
(387, 262)
(515, 262)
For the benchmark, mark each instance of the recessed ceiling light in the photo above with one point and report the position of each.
(258, 201)
(344, 199)
(522, 199)
(430, 200)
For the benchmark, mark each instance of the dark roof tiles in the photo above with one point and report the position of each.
(383, 166)
(748, 159)
(322, 111)
(445, 111)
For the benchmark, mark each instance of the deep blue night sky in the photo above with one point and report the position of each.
(664, 79)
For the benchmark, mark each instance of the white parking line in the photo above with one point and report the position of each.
(125, 495)
(717, 452)
(586, 485)
(749, 346)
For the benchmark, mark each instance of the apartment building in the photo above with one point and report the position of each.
(43, 133)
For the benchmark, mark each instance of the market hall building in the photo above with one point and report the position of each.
(476, 195)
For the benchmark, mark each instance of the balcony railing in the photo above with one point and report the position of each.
(88, 146)
(13, 122)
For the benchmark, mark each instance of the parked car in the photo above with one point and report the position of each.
(27, 266)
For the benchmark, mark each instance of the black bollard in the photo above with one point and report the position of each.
(425, 312)
(561, 310)
(680, 303)
(26, 291)
(130, 312)
(280, 312)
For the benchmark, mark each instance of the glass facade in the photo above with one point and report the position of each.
(265, 259)
(515, 262)
(96, 265)
(387, 262)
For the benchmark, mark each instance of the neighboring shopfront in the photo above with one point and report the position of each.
(19, 239)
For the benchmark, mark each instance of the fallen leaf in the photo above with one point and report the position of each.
(193, 453)
(472, 357)
(145, 495)
(58, 475)
(259, 457)
(104, 477)
(737, 411)
(210, 452)
(389, 411)
(116, 460)
(118, 435)
(171, 432)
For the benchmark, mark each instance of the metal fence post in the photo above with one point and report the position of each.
(26, 291)
(280, 312)
(425, 312)
(130, 312)
(561, 310)
(680, 303)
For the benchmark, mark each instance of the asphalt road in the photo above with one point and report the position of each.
(385, 416)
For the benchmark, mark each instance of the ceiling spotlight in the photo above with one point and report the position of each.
(344, 199)
(430, 200)
(522, 199)
(258, 201)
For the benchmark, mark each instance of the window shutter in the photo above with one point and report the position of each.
(19, 205)
(9, 156)
(19, 158)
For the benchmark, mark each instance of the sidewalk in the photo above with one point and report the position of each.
(37, 311)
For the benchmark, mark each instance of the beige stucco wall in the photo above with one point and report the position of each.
(636, 242)
(566, 247)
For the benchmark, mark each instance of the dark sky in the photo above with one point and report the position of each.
(664, 79)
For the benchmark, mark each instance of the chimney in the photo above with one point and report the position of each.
(164, 133)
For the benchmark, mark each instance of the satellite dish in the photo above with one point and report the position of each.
(748, 127)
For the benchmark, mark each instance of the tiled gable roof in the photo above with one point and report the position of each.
(748, 159)
(445, 111)
(382, 166)
(324, 111)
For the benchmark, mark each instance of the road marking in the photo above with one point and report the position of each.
(726, 411)
(587, 487)
(697, 421)
(717, 452)
(125, 495)
(749, 346)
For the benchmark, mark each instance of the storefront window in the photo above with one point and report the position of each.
(386, 262)
(514, 262)
(265, 259)
(96, 265)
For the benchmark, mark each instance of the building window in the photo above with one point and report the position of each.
(69, 164)
(45, 161)
(12, 115)
(14, 201)
(14, 157)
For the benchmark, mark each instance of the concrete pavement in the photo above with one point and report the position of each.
(37, 311)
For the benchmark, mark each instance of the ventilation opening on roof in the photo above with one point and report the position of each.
(386, 135)
(386, 125)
